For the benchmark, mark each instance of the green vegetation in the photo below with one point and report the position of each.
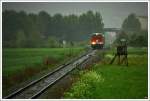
(20, 64)
(131, 23)
(37, 30)
(133, 33)
(131, 51)
(114, 81)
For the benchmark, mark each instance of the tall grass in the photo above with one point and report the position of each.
(18, 59)
(20, 64)
(114, 81)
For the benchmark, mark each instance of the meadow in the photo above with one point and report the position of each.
(21, 64)
(105, 81)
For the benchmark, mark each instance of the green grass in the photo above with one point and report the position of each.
(131, 50)
(106, 81)
(20, 64)
(17, 59)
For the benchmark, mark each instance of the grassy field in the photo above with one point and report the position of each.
(20, 64)
(114, 81)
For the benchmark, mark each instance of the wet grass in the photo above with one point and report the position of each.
(21, 64)
(114, 81)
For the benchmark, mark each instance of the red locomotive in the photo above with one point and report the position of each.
(97, 41)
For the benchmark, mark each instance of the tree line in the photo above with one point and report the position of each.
(20, 29)
(132, 32)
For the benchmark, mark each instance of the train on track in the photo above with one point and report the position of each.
(97, 41)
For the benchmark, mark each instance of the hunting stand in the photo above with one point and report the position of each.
(121, 53)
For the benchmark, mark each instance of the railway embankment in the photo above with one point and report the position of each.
(105, 81)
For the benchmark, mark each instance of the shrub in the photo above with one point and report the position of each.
(87, 83)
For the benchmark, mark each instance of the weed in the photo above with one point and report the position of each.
(106, 81)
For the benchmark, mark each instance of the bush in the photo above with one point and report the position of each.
(83, 88)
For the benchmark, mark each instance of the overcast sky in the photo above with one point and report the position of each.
(113, 14)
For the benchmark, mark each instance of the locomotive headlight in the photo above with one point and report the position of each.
(93, 43)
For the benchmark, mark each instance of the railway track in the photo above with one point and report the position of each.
(37, 87)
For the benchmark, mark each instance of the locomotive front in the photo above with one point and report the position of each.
(97, 41)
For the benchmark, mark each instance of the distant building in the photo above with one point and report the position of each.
(64, 43)
(110, 37)
(144, 22)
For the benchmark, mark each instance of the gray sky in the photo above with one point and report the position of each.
(113, 14)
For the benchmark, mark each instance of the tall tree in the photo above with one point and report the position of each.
(10, 25)
(99, 25)
(71, 25)
(44, 23)
(36, 28)
(58, 25)
(133, 33)
(20, 39)
(131, 23)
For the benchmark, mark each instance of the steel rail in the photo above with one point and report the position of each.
(45, 76)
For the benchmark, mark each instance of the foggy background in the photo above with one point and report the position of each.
(113, 13)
